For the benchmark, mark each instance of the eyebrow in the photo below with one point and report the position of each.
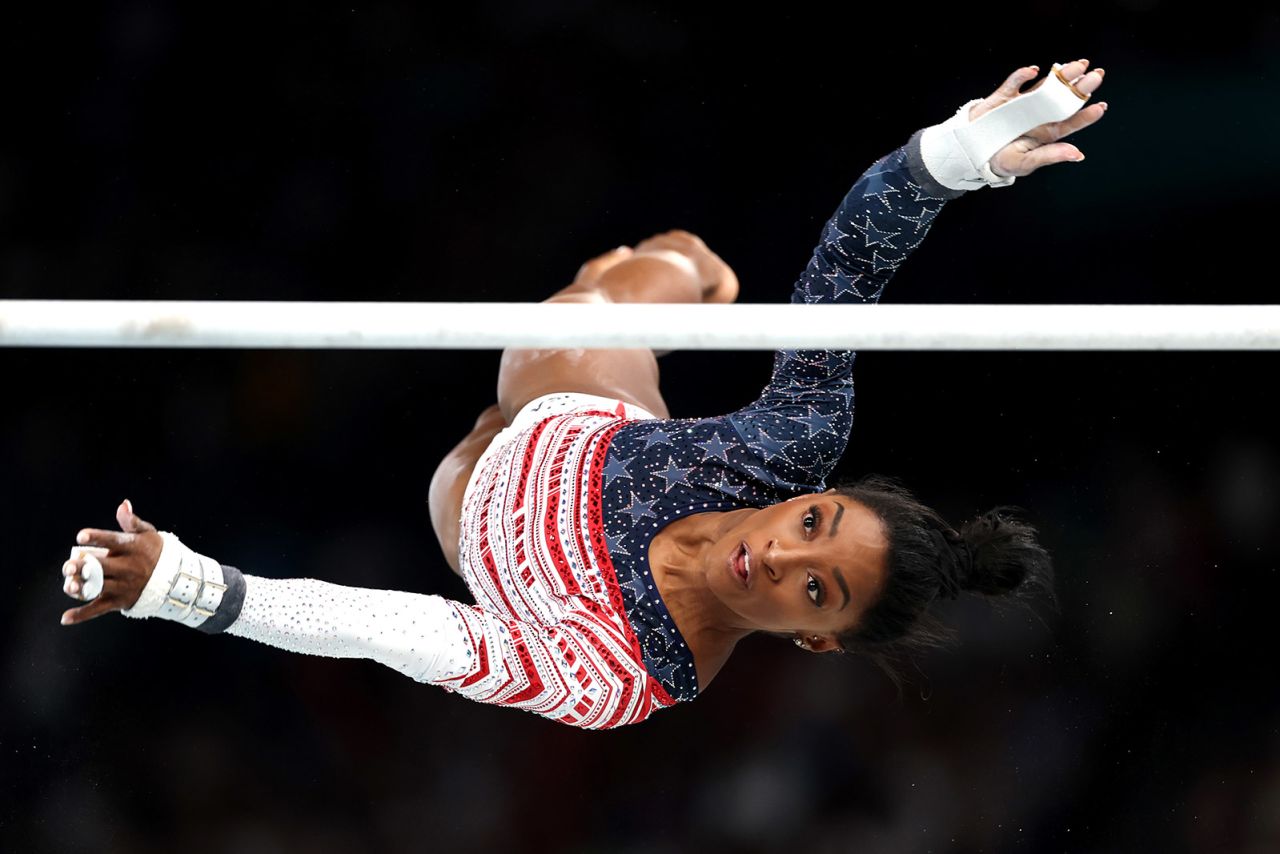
(843, 587)
(835, 520)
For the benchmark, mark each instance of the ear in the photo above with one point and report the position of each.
(825, 644)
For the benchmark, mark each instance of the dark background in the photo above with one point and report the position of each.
(481, 152)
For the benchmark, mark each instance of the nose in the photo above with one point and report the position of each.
(781, 558)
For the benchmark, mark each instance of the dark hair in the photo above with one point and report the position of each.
(924, 552)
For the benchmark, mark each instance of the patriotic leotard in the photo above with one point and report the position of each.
(561, 509)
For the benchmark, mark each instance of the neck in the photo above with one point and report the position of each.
(678, 561)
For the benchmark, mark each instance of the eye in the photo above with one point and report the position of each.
(815, 590)
(811, 519)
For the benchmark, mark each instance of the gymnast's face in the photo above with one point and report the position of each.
(809, 566)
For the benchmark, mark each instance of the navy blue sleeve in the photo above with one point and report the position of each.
(800, 424)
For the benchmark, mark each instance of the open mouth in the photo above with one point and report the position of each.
(740, 564)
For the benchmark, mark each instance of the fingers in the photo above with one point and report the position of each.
(124, 515)
(115, 541)
(1015, 81)
(1058, 152)
(130, 522)
(72, 579)
(85, 575)
(1082, 119)
(1089, 83)
(86, 585)
(1054, 131)
(1085, 82)
(1009, 89)
(1076, 73)
(96, 608)
(1072, 70)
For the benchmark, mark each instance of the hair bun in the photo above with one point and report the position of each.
(1003, 552)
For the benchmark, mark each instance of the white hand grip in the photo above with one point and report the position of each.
(957, 152)
(90, 572)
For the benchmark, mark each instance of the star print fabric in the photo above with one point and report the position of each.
(558, 519)
(786, 442)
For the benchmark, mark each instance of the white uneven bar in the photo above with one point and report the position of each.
(454, 325)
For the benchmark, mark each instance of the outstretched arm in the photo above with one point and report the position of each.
(891, 207)
(578, 671)
(801, 421)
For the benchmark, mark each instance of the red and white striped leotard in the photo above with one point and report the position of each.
(532, 549)
(548, 632)
(562, 506)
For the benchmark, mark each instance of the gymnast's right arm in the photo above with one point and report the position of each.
(563, 672)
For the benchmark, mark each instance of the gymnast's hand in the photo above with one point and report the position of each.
(132, 555)
(1039, 146)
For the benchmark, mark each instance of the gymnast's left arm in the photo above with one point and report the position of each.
(989, 142)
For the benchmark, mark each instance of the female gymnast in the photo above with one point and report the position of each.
(616, 555)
